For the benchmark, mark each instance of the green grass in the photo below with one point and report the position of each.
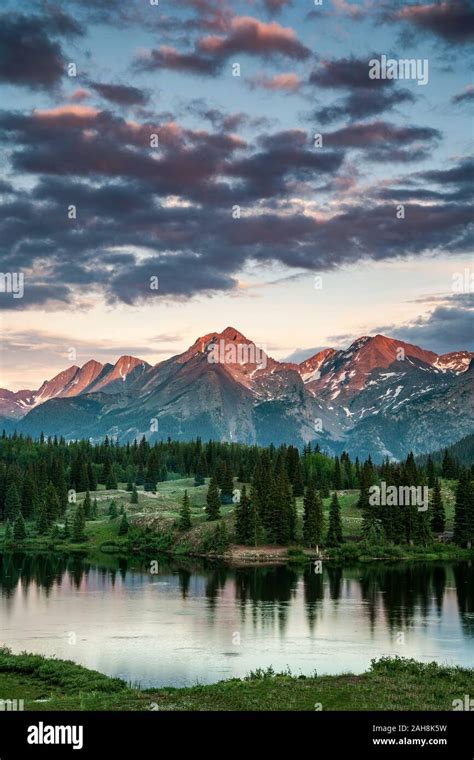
(160, 512)
(390, 684)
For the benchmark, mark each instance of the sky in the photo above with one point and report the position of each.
(170, 169)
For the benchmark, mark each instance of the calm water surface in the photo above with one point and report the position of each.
(196, 622)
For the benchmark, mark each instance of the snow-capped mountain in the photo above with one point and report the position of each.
(73, 381)
(380, 396)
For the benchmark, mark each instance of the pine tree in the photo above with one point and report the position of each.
(42, 525)
(79, 524)
(129, 486)
(28, 495)
(337, 479)
(66, 531)
(12, 502)
(87, 506)
(334, 537)
(19, 528)
(462, 510)
(134, 495)
(8, 536)
(227, 491)
(430, 471)
(438, 516)
(124, 525)
(185, 514)
(312, 516)
(94, 510)
(53, 505)
(298, 481)
(242, 519)
(213, 502)
(113, 510)
(423, 535)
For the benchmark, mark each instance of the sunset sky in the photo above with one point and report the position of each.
(166, 211)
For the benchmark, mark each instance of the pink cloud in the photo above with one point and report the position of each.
(248, 35)
(280, 82)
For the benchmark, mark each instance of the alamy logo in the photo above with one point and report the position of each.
(12, 282)
(221, 352)
(42, 734)
(12, 705)
(463, 704)
(399, 496)
(404, 68)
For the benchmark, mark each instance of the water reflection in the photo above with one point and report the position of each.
(185, 616)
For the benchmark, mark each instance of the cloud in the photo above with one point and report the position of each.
(29, 56)
(448, 327)
(466, 96)
(364, 103)
(242, 35)
(289, 82)
(346, 73)
(122, 94)
(449, 20)
(382, 141)
(276, 6)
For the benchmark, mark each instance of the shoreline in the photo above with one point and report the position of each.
(390, 684)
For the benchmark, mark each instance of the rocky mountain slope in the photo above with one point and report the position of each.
(380, 396)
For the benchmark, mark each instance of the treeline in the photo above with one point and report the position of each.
(38, 479)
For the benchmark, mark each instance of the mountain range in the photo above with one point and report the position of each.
(380, 396)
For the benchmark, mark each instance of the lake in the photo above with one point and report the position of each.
(198, 622)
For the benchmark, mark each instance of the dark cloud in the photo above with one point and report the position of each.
(364, 103)
(383, 142)
(123, 235)
(451, 21)
(124, 95)
(346, 73)
(276, 6)
(467, 96)
(448, 327)
(455, 184)
(29, 54)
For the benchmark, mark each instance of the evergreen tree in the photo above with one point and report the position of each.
(129, 486)
(8, 536)
(461, 511)
(19, 528)
(438, 517)
(337, 479)
(87, 505)
(113, 510)
(124, 525)
(185, 514)
(42, 525)
(448, 467)
(312, 516)
(430, 472)
(53, 505)
(28, 496)
(334, 537)
(134, 495)
(298, 481)
(242, 519)
(66, 531)
(12, 503)
(227, 491)
(94, 510)
(213, 502)
(79, 524)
